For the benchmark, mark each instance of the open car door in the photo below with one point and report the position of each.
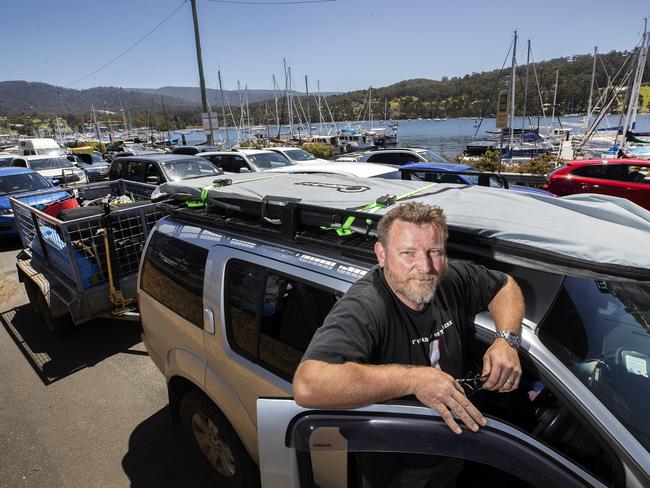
(306, 448)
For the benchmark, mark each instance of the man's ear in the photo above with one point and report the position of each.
(381, 253)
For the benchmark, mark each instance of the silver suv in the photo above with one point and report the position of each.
(228, 305)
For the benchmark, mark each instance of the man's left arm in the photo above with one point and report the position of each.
(501, 360)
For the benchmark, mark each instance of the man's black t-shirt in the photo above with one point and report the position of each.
(371, 325)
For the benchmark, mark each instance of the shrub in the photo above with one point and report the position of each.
(319, 149)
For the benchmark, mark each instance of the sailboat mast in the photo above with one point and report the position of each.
(223, 110)
(523, 116)
(587, 122)
(642, 61)
(512, 92)
(92, 108)
(308, 111)
(370, 106)
(275, 96)
(557, 73)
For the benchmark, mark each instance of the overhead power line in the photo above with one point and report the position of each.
(273, 3)
(130, 47)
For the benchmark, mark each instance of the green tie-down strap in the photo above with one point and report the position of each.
(216, 184)
(381, 202)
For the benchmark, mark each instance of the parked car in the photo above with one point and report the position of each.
(117, 149)
(17, 182)
(246, 160)
(396, 156)
(370, 170)
(298, 155)
(160, 168)
(228, 306)
(194, 150)
(54, 168)
(462, 174)
(624, 178)
(93, 164)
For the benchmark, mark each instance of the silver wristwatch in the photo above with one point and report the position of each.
(513, 339)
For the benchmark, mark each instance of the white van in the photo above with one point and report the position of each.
(39, 147)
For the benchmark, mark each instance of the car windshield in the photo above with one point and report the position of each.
(269, 160)
(299, 155)
(432, 157)
(22, 183)
(189, 168)
(49, 163)
(96, 157)
(601, 331)
(393, 175)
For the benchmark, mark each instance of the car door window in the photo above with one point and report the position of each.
(134, 171)
(270, 318)
(617, 172)
(172, 273)
(239, 163)
(153, 174)
(639, 174)
(405, 158)
(385, 158)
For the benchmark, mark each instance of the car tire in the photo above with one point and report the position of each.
(56, 325)
(216, 442)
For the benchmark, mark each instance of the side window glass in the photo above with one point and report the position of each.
(173, 273)
(271, 318)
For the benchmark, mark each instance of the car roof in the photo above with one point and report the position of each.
(161, 158)
(627, 161)
(284, 148)
(440, 166)
(253, 151)
(340, 167)
(33, 157)
(14, 170)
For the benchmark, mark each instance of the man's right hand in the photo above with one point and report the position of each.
(438, 390)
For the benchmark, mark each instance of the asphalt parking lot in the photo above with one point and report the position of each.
(85, 410)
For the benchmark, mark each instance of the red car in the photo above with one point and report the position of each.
(625, 178)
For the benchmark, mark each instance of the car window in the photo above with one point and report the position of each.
(616, 172)
(172, 273)
(385, 158)
(299, 155)
(269, 160)
(41, 164)
(406, 157)
(432, 157)
(601, 331)
(189, 168)
(22, 183)
(270, 318)
(134, 170)
(639, 174)
(116, 170)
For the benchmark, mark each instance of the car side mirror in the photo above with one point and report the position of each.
(244, 170)
(56, 182)
(152, 179)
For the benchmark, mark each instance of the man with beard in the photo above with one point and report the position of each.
(399, 331)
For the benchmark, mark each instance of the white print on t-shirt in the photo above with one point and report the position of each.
(441, 332)
(434, 353)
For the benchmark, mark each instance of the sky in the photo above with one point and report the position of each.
(344, 44)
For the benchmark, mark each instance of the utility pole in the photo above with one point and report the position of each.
(199, 59)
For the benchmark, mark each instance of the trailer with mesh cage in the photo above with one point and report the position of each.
(82, 264)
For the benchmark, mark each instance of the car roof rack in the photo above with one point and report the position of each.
(353, 233)
(483, 177)
(288, 219)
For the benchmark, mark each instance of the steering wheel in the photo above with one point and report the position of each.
(553, 418)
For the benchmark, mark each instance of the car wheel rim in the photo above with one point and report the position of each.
(213, 445)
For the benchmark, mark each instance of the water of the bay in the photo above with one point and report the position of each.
(445, 136)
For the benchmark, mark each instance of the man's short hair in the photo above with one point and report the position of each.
(413, 213)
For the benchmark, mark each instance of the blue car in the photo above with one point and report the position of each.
(20, 181)
(457, 173)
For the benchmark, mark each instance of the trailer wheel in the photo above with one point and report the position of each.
(56, 325)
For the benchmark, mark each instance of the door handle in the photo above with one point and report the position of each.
(208, 320)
